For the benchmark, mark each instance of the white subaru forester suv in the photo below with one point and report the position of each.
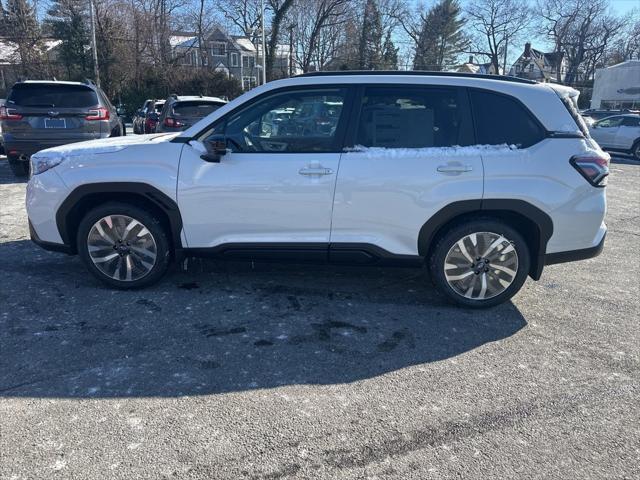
(485, 180)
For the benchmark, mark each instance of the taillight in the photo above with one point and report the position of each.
(172, 122)
(9, 114)
(593, 167)
(98, 114)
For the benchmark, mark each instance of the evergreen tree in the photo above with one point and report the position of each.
(389, 54)
(371, 37)
(441, 37)
(68, 21)
(19, 26)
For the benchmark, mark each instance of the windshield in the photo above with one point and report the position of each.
(52, 95)
(194, 109)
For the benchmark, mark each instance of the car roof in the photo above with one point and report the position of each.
(56, 82)
(189, 98)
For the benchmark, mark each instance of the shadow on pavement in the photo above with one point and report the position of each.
(6, 175)
(221, 327)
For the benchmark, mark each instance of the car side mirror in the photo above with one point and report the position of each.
(216, 146)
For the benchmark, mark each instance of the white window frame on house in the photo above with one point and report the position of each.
(251, 80)
(234, 59)
(219, 49)
(205, 59)
(248, 65)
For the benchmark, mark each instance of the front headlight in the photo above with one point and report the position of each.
(42, 162)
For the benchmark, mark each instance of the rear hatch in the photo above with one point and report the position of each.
(186, 113)
(52, 113)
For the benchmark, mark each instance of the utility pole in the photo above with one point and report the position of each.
(94, 46)
(264, 46)
(291, 27)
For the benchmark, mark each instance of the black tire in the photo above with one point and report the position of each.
(446, 241)
(159, 234)
(20, 168)
(635, 150)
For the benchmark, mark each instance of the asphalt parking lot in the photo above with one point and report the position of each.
(233, 370)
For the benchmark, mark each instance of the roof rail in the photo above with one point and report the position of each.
(503, 78)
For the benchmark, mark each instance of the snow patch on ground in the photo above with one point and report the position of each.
(455, 151)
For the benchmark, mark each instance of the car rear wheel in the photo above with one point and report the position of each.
(124, 246)
(480, 263)
(20, 168)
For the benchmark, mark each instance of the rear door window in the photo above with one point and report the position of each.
(414, 117)
(502, 119)
(631, 122)
(194, 109)
(52, 95)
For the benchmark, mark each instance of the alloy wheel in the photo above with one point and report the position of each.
(481, 265)
(122, 248)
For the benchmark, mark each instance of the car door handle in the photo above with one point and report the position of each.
(315, 171)
(454, 168)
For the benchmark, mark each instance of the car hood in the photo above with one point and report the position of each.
(105, 145)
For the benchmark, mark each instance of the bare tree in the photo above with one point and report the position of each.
(494, 24)
(244, 15)
(315, 24)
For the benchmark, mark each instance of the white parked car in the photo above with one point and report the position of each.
(483, 179)
(619, 133)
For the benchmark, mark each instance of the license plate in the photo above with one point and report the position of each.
(55, 123)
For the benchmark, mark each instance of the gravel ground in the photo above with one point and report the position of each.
(233, 370)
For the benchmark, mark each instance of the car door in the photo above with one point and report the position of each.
(274, 186)
(604, 131)
(402, 168)
(628, 132)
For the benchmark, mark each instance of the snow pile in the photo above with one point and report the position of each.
(455, 151)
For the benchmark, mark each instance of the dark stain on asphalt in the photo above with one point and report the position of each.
(323, 331)
(208, 364)
(189, 286)
(263, 343)
(151, 305)
(208, 331)
(294, 302)
(398, 336)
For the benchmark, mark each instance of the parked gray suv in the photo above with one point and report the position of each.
(180, 112)
(43, 114)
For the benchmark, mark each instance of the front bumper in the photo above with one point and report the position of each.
(52, 247)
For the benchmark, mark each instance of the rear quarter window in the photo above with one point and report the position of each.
(502, 119)
(52, 95)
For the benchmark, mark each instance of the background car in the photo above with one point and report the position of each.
(180, 112)
(42, 114)
(618, 133)
(592, 115)
(146, 119)
(2, 100)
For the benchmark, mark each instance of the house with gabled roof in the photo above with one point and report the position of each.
(233, 55)
(536, 65)
(474, 67)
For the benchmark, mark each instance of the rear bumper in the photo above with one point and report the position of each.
(575, 255)
(17, 148)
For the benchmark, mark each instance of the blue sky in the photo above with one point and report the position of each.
(624, 6)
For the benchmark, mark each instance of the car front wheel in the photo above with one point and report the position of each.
(480, 263)
(124, 246)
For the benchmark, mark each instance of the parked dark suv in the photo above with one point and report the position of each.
(44, 114)
(180, 112)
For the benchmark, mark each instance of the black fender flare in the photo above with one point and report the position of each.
(523, 208)
(159, 199)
